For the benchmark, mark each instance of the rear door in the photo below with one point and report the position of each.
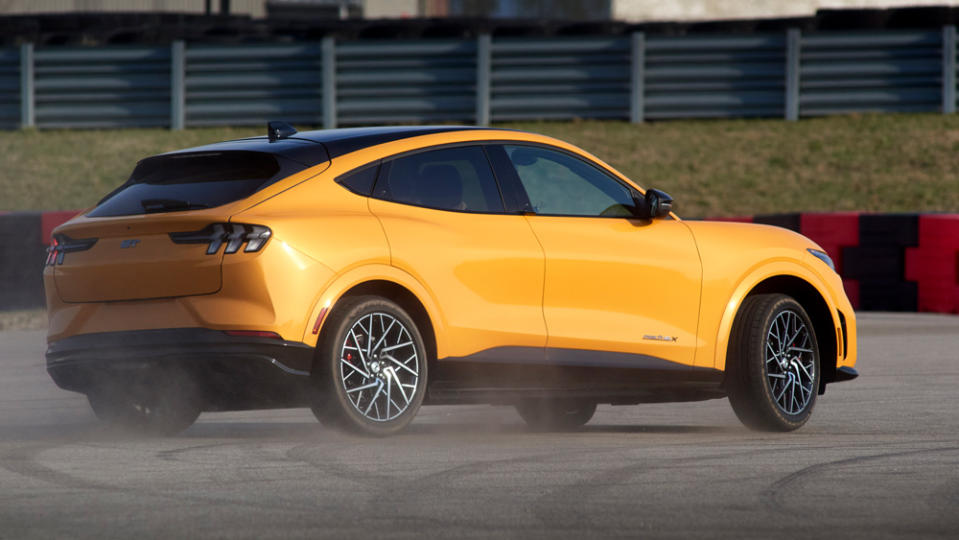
(445, 222)
(153, 236)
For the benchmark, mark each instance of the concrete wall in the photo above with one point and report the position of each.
(657, 10)
(254, 8)
(396, 9)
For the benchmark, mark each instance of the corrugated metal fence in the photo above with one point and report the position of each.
(9, 88)
(633, 77)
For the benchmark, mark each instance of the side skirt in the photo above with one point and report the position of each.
(504, 375)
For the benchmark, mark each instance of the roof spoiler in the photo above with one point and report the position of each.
(276, 130)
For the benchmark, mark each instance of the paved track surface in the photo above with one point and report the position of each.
(879, 459)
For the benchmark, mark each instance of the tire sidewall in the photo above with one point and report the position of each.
(758, 370)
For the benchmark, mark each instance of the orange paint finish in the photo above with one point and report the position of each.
(484, 280)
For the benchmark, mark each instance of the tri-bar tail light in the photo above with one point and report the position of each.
(61, 244)
(233, 235)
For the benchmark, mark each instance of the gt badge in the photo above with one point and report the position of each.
(670, 339)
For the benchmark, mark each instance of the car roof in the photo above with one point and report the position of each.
(314, 147)
(345, 140)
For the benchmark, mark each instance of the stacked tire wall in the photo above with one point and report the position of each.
(888, 262)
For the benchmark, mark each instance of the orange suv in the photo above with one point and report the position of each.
(366, 271)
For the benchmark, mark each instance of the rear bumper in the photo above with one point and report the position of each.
(233, 372)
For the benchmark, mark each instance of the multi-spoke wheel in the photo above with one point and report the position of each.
(556, 414)
(772, 368)
(373, 375)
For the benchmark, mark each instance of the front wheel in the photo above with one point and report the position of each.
(555, 414)
(372, 367)
(773, 373)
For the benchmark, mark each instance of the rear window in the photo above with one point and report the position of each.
(191, 181)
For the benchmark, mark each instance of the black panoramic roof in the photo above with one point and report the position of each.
(314, 147)
(345, 140)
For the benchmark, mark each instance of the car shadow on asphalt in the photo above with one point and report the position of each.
(309, 431)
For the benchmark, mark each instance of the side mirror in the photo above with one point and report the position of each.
(656, 204)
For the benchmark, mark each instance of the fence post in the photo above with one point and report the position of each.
(177, 85)
(948, 69)
(484, 47)
(792, 74)
(329, 82)
(637, 78)
(28, 116)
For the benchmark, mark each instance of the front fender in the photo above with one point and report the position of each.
(755, 276)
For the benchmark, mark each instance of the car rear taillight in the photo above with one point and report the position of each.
(231, 234)
(61, 244)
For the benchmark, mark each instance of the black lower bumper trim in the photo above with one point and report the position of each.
(846, 374)
(235, 372)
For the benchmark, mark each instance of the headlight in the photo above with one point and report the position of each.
(822, 256)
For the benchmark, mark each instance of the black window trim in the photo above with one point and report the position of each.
(502, 177)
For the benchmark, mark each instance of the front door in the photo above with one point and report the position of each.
(619, 291)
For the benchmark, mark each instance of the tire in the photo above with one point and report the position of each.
(377, 389)
(773, 374)
(163, 404)
(555, 414)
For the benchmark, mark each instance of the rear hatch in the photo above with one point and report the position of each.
(123, 248)
(134, 259)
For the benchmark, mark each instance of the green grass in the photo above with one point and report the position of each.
(889, 163)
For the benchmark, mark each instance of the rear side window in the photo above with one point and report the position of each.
(360, 181)
(447, 179)
(190, 181)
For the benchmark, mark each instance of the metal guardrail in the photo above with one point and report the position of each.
(405, 81)
(251, 84)
(558, 78)
(9, 88)
(81, 87)
(884, 71)
(721, 76)
(635, 77)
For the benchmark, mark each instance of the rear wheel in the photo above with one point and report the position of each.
(160, 404)
(371, 369)
(773, 364)
(555, 414)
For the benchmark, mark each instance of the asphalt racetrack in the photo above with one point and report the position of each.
(879, 459)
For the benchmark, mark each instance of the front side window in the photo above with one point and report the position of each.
(447, 179)
(560, 184)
